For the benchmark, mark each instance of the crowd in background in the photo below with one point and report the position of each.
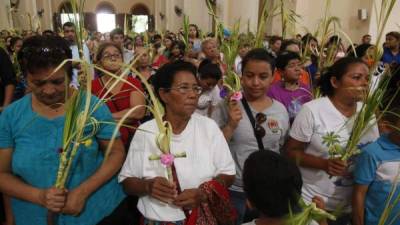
(228, 140)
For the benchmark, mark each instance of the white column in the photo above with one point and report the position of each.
(5, 16)
(198, 14)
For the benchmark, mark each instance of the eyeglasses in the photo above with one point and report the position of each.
(259, 130)
(186, 89)
(110, 56)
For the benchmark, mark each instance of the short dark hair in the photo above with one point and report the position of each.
(272, 183)
(394, 34)
(274, 39)
(334, 40)
(165, 75)
(68, 24)
(42, 52)
(366, 35)
(103, 46)
(284, 58)
(207, 69)
(360, 50)
(115, 32)
(180, 45)
(307, 39)
(338, 69)
(287, 42)
(258, 54)
(157, 36)
(48, 32)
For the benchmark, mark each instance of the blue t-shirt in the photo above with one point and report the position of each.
(36, 141)
(389, 58)
(378, 166)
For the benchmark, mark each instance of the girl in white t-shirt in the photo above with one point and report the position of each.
(343, 87)
(267, 131)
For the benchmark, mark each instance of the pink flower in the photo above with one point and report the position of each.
(167, 159)
(237, 96)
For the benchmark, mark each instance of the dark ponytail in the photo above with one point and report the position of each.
(338, 69)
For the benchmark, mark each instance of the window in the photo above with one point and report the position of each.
(69, 17)
(105, 22)
(140, 23)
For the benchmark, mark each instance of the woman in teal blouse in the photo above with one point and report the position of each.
(31, 132)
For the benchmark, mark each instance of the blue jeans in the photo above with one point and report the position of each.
(238, 200)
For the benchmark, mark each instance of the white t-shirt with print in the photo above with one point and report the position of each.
(315, 120)
(207, 99)
(207, 156)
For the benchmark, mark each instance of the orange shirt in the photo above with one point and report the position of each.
(304, 77)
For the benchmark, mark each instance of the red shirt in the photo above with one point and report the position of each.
(119, 102)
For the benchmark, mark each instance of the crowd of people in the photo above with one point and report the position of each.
(247, 161)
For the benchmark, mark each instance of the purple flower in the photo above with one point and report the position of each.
(223, 93)
(167, 159)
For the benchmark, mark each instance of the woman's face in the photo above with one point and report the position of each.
(256, 78)
(175, 51)
(181, 99)
(144, 59)
(17, 46)
(8, 40)
(210, 50)
(353, 84)
(49, 90)
(167, 43)
(138, 41)
(392, 42)
(313, 45)
(276, 46)
(111, 59)
(192, 32)
(292, 71)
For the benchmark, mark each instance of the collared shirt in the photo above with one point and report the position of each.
(378, 166)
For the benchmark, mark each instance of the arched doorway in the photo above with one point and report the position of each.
(105, 17)
(66, 13)
(141, 19)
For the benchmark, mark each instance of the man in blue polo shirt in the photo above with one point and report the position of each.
(376, 173)
(391, 53)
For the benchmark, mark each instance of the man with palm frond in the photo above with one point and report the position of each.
(69, 35)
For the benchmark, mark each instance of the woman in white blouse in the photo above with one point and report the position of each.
(343, 86)
(207, 153)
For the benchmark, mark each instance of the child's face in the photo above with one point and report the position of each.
(176, 51)
(243, 51)
(208, 83)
